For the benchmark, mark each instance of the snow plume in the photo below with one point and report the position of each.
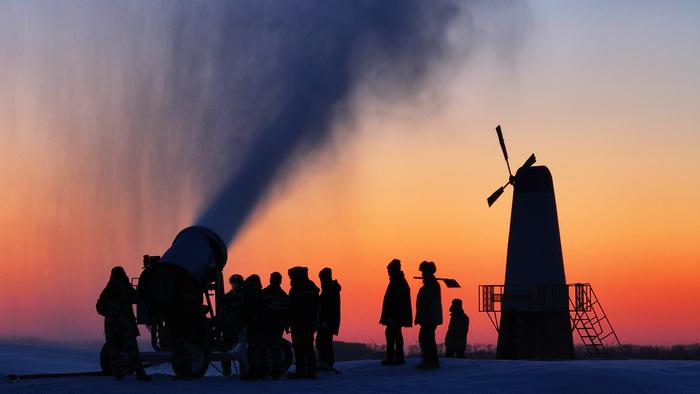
(179, 112)
(279, 73)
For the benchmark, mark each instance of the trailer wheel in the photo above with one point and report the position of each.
(284, 358)
(192, 361)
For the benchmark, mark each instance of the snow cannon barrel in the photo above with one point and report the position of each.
(174, 284)
(198, 250)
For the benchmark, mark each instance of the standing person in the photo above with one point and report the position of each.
(115, 304)
(329, 319)
(456, 337)
(396, 313)
(276, 321)
(252, 314)
(428, 315)
(303, 320)
(232, 306)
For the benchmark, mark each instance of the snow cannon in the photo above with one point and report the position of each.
(181, 303)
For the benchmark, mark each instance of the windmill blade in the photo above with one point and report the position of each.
(530, 161)
(503, 147)
(493, 197)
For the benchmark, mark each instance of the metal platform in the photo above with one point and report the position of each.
(588, 317)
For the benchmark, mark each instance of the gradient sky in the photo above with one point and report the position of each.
(606, 95)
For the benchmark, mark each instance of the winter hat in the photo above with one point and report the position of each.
(456, 305)
(427, 267)
(253, 282)
(275, 278)
(118, 273)
(394, 265)
(325, 274)
(298, 273)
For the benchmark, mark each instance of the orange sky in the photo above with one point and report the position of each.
(612, 111)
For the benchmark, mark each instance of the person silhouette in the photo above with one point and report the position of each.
(428, 315)
(115, 304)
(276, 321)
(233, 319)
(456, 337)
(396, 313)
(329, 319)
(252, 311)
(303, 321)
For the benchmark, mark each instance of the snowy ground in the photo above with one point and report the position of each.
(494, 376)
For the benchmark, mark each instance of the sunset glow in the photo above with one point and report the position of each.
(608, 100)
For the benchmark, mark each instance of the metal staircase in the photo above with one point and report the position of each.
(590, 321)
(588, 318)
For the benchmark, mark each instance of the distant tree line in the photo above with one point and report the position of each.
(349, 351)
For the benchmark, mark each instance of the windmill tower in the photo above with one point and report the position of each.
(535, 321)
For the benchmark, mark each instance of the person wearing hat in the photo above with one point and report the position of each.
(115, 304)
(456, 337)
(329, 319)
(276, 321)
(252, 316)
(303, 321)
(396, 313)
(428, 315)
(232, 307)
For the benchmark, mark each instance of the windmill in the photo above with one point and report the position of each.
(535, 321)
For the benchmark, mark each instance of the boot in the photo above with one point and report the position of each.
(399, 360)
(299, 373)
(311, 371)
(389, 356)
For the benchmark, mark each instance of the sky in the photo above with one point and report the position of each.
(606, 96)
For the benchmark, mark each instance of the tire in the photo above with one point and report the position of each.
(286, 357)
(191, 362)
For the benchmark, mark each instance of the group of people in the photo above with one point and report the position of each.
(258, 317)
(397, 313)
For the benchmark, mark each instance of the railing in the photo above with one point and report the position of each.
(578, 299)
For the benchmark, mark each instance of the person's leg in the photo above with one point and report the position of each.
(116, 359)
(331, 353)
(400, 357)
(131, 349)
(299, 353)
(321, 347)
(390, 345)
(432, 345)
(449, 352)
(324, 344)
(423, 338)
(461, 352)
(397, 355)
(311, 356)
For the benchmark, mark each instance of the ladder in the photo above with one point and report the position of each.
(589, 320)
